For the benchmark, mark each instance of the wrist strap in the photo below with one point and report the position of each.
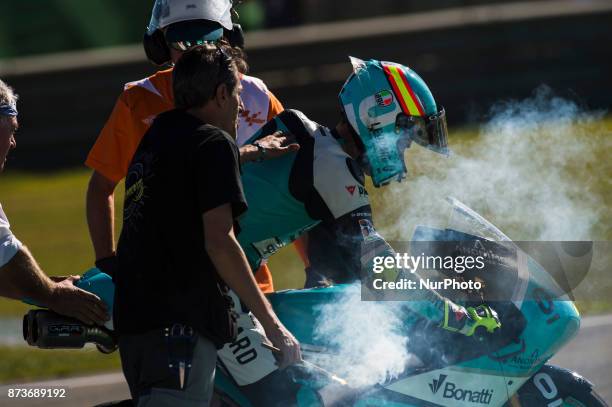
(261, 150)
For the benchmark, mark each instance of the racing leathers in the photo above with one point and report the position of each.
(318, 185)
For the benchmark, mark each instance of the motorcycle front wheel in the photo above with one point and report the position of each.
(556, 387)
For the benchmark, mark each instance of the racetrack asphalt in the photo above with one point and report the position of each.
(589, 354)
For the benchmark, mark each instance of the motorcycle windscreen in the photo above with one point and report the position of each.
(467, 225)
(499, 266)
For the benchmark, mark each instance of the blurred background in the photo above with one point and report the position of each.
(526, 86)
(69, 59)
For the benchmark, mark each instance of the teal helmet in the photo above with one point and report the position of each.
(388, 106)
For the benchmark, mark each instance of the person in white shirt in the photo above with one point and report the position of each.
(20, 275)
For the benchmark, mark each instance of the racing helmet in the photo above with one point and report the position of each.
(198, 20)
(388, 106)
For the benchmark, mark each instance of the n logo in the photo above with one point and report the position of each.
(251, 119)
(437, 383)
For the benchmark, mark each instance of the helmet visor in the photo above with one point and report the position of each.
(430, 132)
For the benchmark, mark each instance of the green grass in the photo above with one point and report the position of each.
(20, 364)
(47, 212)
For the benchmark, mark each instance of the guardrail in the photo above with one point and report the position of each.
(470, 57)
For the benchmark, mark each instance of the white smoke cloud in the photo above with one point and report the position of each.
(529, 171)
(367, 339)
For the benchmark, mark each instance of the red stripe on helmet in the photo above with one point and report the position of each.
(391, 80)
(416, 100)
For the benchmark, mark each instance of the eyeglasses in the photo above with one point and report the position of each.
(183, 46)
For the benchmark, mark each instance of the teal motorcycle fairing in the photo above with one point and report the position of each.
(449, 369)
(536, 322)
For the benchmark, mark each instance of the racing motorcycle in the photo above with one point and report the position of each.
(507, 368)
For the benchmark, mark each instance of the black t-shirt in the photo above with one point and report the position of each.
(181, 169)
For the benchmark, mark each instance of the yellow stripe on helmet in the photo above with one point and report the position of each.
(400, 85)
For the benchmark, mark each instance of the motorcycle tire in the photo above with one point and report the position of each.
(554, 386)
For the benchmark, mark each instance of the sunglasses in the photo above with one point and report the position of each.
(187, 45)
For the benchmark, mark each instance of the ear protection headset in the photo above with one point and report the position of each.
(235, 36)
(156, 48)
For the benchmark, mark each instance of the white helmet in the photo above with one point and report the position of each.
(166, 12)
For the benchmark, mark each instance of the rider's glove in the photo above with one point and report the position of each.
(470, 320)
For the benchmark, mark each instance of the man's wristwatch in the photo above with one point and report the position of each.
(262, 151)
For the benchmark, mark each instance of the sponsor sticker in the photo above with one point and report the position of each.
(268, 247)
(453, 392)
(361, 190)
(526, 361)
(384, 98)
(251, 119)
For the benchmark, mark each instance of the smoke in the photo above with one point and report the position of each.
(366, 337)
(532, 169)
(538, 169)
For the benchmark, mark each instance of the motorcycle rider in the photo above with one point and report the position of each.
(385, 107)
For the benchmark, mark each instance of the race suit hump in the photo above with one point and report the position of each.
(291, 194)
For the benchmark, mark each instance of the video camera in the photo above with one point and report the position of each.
(46, 329)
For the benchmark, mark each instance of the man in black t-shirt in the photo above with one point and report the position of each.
(177, 252)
